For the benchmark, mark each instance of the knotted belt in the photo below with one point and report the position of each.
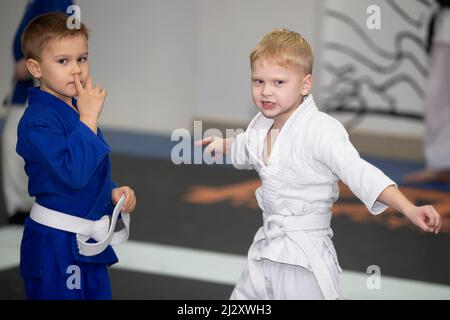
(294, 227)
(101, 230)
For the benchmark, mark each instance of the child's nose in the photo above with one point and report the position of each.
(266, 91)
(76, 69)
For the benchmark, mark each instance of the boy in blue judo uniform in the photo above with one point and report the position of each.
(68, 166)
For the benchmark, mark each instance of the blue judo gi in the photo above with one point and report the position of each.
(69, 171)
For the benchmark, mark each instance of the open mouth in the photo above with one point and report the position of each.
(268, 104)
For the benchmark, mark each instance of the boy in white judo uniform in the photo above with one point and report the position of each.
(65, 249)
(300, 154)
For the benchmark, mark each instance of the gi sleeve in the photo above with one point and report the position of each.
(113, 185)
(71, 159)
(239, 152)
(335, 151)
(55, 5)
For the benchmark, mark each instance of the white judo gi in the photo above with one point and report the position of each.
(292, 255)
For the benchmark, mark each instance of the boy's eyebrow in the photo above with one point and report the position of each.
(68, 55)
(273, 78)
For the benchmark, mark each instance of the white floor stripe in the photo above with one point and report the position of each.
(180, 262)
(354, 287)
(224, 268)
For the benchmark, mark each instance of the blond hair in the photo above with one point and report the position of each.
(286, 48)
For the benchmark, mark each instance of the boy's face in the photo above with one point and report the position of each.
(276, 90)
(59, 61)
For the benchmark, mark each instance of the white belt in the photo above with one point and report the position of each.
(294, 227)
(101, 230)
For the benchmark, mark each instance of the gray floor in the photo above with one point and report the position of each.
(163, 217)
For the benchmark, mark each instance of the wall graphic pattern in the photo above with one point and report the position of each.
(381, 72)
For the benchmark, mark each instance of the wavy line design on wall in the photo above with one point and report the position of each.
(354, 82)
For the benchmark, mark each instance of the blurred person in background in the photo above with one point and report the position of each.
(14, 180)
(437, 101)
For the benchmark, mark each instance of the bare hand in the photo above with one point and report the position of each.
(217, 145)
(130, 198)
(90, 99)
(426, 218)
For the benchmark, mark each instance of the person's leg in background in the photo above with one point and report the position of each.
(437, 120)
(14, 179)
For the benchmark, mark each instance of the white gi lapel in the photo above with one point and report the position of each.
(256, 133)
(282, 148)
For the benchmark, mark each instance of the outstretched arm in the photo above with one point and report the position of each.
(425, 217)
(217, 145)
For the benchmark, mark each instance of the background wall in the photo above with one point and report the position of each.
(166, 63)
(229, 30)
(380, 72)
(143, 52)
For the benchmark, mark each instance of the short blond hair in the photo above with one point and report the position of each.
(286, 48)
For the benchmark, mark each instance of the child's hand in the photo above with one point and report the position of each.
(90, 99)
(426, 218)
(130, 198)
(215, 144)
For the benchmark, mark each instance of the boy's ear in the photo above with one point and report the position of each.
(34, 68)
(306, 84)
